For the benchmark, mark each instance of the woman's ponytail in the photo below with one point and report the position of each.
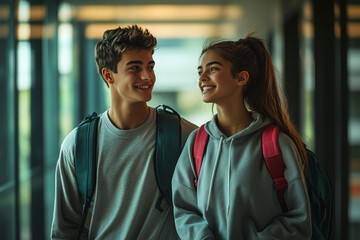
(265, 97)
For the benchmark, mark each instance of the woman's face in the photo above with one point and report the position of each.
(216, 81)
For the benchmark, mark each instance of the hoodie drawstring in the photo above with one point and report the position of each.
(229, 172)
(213, 173)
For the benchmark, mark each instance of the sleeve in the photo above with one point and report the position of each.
(188, 219)
(295, 223)
(67, 205)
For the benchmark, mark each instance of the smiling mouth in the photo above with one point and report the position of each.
(143, 87)
(207, 88)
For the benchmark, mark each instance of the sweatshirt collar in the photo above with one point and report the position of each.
(258, 122)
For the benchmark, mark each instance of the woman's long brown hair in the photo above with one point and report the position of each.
(261, 93)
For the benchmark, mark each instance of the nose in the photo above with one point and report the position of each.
(203, 77)
(147, 75)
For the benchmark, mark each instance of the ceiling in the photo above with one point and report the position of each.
(229, 19)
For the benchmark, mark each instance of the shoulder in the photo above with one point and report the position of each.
(186, 128)
(192, 136)
(185, 124)
(285, 141)
(290, 154)
(287, 146)
(69, 141)
(68, 145)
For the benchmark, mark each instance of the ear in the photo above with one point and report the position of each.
(107, 74)
(243, 78)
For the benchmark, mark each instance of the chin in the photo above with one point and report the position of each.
(148, 98)
(207, 100)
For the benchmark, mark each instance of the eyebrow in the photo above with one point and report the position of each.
(210, 63)
(139, 62)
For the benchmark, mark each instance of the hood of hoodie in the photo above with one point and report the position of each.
(258, 122)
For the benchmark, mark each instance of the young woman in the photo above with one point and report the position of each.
(235, 197)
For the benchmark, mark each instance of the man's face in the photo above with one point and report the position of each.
(135, 77)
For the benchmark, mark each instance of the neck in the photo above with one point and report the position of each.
(233, 118)
(129, 116)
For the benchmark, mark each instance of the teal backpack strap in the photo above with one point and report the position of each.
(167, 151)
(85, 163)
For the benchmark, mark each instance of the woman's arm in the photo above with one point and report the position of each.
(188, 219)
(295, 223)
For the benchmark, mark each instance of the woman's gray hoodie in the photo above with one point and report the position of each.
(235, 196)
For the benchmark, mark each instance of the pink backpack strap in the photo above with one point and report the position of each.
(200, 144)
(274, 160)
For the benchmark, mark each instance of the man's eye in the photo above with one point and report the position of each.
(151, 68)
(134, 68)
(213, 69)
(200, 72)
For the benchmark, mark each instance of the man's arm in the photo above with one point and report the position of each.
(67, 205)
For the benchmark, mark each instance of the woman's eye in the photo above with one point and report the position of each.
(200, 73)
(151, 68)
(213, 69)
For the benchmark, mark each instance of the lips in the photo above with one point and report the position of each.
(207, 88)
(143, 86)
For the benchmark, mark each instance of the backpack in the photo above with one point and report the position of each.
(167, 151)
(317, 182)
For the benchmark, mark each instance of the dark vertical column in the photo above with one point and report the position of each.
(91, 88)
(44, 119)
(330, 123)
(37, 141)
(341, 131)
(292, 67)
(325, 84)
(95, 89)
(83, 83)
(51, 109)
(13, 70)
(8, 141)
(51, 82)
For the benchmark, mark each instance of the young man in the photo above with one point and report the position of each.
(123, 205)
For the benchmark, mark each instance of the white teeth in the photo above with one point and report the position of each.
(207, 88)
(143, 86)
